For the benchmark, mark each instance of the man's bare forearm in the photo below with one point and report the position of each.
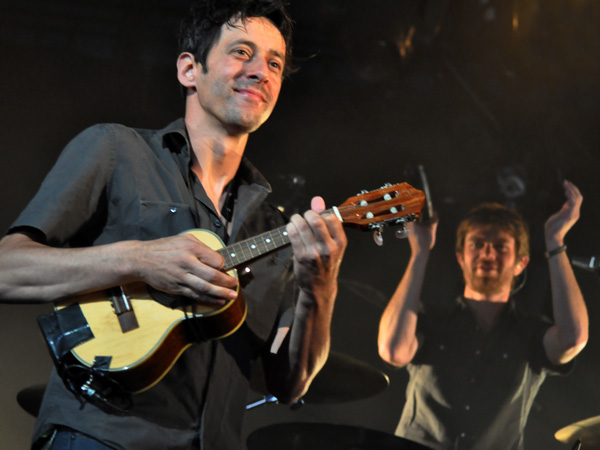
(31, 272)
(397, 328)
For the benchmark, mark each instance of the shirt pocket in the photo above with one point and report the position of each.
(162, 219)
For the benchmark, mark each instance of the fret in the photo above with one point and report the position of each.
(239, 250)
(269, 244)
(254, 246)
(283, 236)
(228, 262)
(232, 254)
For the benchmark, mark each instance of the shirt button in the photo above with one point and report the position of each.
(505, 355)
(477, 352)
(467, 408)
(217, 223)
(462, 435)
(442, 347)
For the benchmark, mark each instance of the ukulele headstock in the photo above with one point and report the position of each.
(394, 205)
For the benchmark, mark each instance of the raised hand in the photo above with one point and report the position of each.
(421, 235)
(560, 223)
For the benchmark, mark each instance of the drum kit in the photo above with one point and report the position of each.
(342, 379)
(312, 436)
(584, 435)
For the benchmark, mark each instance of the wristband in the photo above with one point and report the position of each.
(555, 251)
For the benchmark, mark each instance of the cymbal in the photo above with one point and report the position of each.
(587, 430)
(30, 398)
(311, 436)
(342, 379)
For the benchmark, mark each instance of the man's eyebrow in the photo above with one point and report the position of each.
(475, 237)
(252, 44)
(277, 54)
(484, 238)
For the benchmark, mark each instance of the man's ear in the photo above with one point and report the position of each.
(186, 70)
(459, 258)
(520, 266)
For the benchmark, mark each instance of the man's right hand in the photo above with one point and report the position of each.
(183, 265)
(421, 235)
(33, 272)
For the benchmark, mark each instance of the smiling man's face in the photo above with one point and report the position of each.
(489, 260)
(240, 84)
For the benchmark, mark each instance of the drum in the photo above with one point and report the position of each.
(322, 436)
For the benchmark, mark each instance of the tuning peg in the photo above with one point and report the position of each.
(402, 233)
(378, 237)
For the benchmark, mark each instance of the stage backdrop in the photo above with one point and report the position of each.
(498, 101)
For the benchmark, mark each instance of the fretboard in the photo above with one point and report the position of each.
(255, 247)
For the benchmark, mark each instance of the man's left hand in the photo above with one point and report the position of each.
(318, 242)
(560, 223)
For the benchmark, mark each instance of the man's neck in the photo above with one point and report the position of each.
(486, 308)
(216, 157)
(499, 296)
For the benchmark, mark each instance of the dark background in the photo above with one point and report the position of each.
(497, 99)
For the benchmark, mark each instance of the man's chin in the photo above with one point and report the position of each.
(244, 127)
(248, 125)
(487, 285)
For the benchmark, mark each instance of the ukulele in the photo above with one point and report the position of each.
(131, 335)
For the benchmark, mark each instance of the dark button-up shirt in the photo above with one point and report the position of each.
(113, 183)
(470, 390)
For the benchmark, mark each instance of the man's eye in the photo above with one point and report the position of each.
(242, 52)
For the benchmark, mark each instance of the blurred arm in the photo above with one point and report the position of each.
(569, 334)
(397, 339)
(318, 243)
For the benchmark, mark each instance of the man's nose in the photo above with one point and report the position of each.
(258, 69)
(488, 250)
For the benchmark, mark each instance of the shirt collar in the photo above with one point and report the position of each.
(174, 136)
(461, 304)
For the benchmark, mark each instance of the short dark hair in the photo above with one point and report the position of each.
(202, 27)
(507, 219)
